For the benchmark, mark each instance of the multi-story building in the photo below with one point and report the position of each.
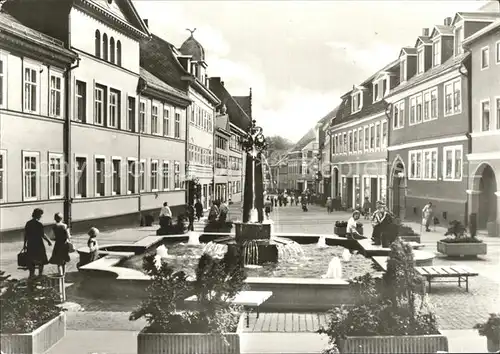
(201, 135)
(484, 158)
(33, 111)
(303, 163)
(323, 175)
(359, 138)
(130, 166)
(430, 121)
(232, 124)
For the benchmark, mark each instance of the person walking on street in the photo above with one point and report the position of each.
(190, 215)
(329, 205)
(34, 236)
(92, 244)
(60, 252)
(199, 209)
(268, 207)
(427, 213)
(367, 206)
(377, 219)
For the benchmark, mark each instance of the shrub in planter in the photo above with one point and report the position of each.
(394, 306)
(27, 307)
(491, 330)
(216, 281)
(459, 243)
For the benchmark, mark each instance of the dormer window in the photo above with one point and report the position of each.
(380, 87)
(436, 53)
(404, 69)
(420, 60)
(357, 101)
(459, 38)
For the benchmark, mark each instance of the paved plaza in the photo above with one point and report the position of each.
(96, 318)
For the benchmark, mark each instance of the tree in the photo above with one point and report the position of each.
(277, 142)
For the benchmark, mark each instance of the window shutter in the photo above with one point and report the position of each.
(93, 102)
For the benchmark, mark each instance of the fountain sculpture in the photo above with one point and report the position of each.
(253, 242)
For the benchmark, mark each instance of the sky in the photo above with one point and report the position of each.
(299, 57)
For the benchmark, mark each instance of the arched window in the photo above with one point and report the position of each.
(112, 50)
(105, 46)
(119, 53)
(97, 43)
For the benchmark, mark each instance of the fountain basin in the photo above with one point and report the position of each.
(252, 231)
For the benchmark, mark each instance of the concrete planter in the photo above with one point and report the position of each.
(37, 342)
(190, 343)
(394, 344)
(462, 249)
(411, 238)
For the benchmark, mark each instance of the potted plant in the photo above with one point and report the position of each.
(491, 330)
(459, 243)
(31, 320)
(390, 314)
(340, 228)
(212, 327)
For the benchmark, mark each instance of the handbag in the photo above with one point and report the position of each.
(71, 247)
(22, 258)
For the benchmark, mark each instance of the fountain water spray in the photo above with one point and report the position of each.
(334, 269)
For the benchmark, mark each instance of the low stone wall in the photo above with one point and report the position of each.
(302, 294)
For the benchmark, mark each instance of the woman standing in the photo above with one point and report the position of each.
(377, 222)
(33, 243)
(60, 253)
(427, 213)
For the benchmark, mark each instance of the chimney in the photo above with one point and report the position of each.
(425, 32)
(222, 83)
(146, 22)
(447, 21)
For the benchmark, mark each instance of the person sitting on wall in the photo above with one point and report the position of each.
(352, 231)
(165, 216)
(378, 223)
(213, 213)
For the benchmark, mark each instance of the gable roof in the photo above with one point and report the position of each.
(306, 139)
(237, 115)
(471, 16)
(245, 103)
(157, 83)
(442, 30)
(435, 71)
(125, 11)
(158, 58)
(424, 40)
(485, 31)
(407, 51)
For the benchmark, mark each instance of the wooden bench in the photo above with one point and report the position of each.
(462, 273)
(248, 299)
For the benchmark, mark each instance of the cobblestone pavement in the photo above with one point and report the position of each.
(456, 309)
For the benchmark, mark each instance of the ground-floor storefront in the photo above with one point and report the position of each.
(483, 195)
(356, 181)
(426, 173)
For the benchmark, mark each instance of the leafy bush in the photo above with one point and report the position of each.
(216, 281)
(405, 230)
(457, 233)
(393, 305)
(26, 304)
(491, 328)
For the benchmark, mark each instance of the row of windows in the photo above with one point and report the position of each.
(220, 160)
(485, 56)
(235, 187)
(234, 143)
(488, 121)
(367, 138)
(111, 51)
(235, 163)
(32, 88)
(200, 156)
(423, 106)
(220, 142)
(201, 118)
(360, 191)
(107, 111)
(424, 164)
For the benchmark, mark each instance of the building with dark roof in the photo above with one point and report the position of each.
(232, 123)
(430, 122)
(359, 139)
(483, 193)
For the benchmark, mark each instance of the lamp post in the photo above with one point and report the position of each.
(254, 143)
